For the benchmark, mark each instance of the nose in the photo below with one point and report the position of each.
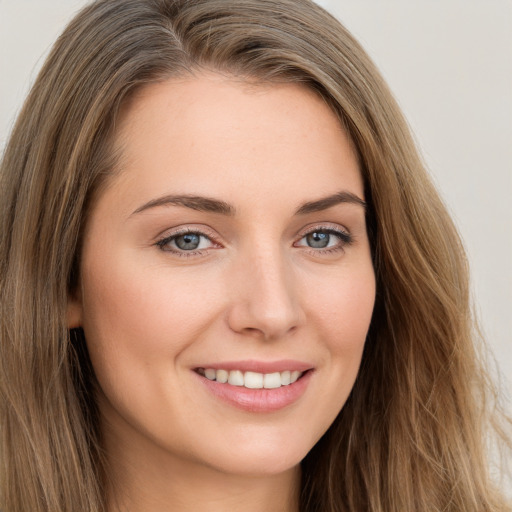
(264, 299)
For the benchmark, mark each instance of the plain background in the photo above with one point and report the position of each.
(448, 62)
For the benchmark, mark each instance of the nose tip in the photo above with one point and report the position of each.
(265, 302)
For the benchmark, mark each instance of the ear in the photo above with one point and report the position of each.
(74, 310)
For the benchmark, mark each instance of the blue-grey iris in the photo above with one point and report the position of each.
(318, 240)
(188, 241)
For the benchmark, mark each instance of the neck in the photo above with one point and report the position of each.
(219, 493)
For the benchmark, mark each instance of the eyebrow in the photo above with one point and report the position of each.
(200, 203)
(329, 202)
(208, 204)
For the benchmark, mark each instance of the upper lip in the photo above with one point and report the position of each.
(260, 366)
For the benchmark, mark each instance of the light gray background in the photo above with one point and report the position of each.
(449, 63)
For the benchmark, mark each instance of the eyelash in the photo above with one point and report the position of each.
(162, 243)
(345, 239)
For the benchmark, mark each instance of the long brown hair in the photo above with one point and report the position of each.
(412, 434)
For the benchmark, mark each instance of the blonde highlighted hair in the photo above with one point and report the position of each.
(412, 435)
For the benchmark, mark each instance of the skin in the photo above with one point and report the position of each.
(254, 290)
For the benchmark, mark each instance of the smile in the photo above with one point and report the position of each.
(251, 380)
(241, 385)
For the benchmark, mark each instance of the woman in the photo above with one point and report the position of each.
(226, 279)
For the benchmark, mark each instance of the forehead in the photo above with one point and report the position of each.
(220, 134)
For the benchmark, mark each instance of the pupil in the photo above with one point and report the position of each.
(318, 240)
(188, 242)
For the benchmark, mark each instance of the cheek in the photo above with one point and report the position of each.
(139, 312)
(343, 308)
(342, 313)
(138, 321)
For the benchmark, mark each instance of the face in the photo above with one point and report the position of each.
(231, 245)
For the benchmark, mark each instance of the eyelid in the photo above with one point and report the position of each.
(200, 229)
(343, 234)
(167, 236)
(323, 226)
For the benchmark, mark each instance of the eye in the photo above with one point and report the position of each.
(325, 238)
(318, 239)
(189, 241)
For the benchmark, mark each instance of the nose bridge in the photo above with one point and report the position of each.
(265, 299)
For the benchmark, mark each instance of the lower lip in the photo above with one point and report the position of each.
(259, 400)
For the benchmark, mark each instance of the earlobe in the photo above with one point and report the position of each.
(74, 312)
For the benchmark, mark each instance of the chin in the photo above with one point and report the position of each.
(266, 457)
(260, 467)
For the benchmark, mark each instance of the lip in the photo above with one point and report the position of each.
(258, 400)
(260, 366)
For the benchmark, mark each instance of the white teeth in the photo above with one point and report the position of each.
(272, 380)
(210, 373)
(252, 380)
(221, 376)
(236, 378)
(294, 376)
